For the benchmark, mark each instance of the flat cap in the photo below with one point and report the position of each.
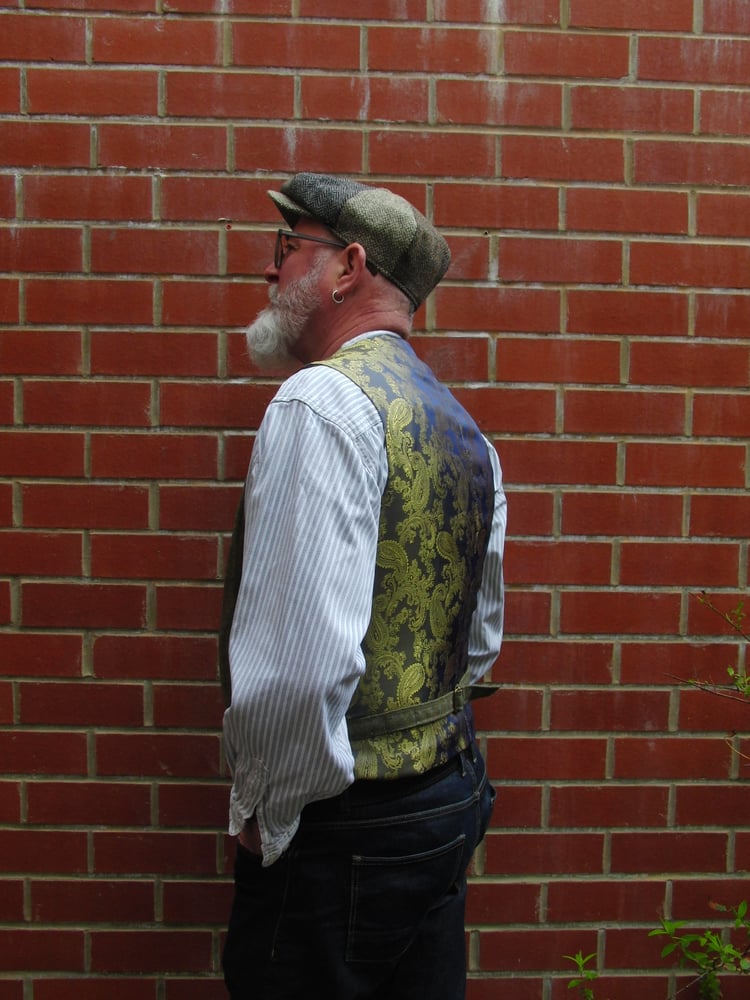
(402, 244)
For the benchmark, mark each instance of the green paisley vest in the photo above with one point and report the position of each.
(410, 711)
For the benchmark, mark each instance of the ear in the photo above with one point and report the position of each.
(352, 267)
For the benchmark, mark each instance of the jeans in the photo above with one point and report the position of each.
(368, 901)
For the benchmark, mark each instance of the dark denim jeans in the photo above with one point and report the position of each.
(368, 902)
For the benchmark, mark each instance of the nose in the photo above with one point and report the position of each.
(271, 274)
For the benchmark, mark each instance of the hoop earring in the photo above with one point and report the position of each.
(337, 297)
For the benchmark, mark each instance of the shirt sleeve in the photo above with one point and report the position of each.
(486, 633)
(312, 508)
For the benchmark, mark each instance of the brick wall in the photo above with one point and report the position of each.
(588, 161)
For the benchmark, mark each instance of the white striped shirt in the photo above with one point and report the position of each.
(312, 506)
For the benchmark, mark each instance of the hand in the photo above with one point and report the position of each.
(250, 837)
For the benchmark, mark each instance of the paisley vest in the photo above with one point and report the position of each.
(410, 711)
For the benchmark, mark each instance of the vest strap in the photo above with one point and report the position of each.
(410, 716)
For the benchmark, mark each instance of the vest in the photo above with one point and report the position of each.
(410, 710)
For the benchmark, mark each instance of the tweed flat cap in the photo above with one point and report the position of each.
(398, 239)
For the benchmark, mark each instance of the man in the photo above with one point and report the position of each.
(364, 595)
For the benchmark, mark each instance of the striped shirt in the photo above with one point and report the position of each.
(312, 507)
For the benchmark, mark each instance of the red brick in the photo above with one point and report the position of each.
(610, 806)
(694, 60)
(193, 806)
(41, 249)
(720, 516)
(181, 755)
(725, 113)
(92, 901)
(294, 45)
(670, 758)
(709, 710)
(188, 608)
(695, 899)
(610, 711)
(509, 711)
(685, 465)
(43, 851)
(554, 561)
(513, 11)
(155, 656)
(433, 154)
(93, 988)
(26, 37)
(708, 617)
(532, 514)
(498, 309)
(211, 303)
(496, 206)
(162, 353)
(88, 301)
(722, 215)
(626, 211)
(604, 411)
(105, 404)
(43, 950)
(208, 199)
(709, 164)
(553, 158)
(517, 903)
(90, 803)
(528, 614)
(188, 706)
(162, 853)
(722, 315)
(690, 264)
(205, 988)
(722, 415)
(726, 16)
(668, 852)
(36, 453)
(352, 98)
(160, 41)
(537, 853)
(659, 15)
(150, 950)
(381, 10)
(178, 147)
(27, 654)
(450, 356)
(81, 704)
(559, 260)
(526, 951)
(499, 102)
(606, 901)
(84, 506)
(40, 352)
(619, 612)
(154, 456)
(431, 50)
(230, 95)
(621, 514)
(153, 556)
(10, 812)
(113, 197)
(197, 508)
(9, 301)
(92, 92)
(561, 54)
(12, 903)
(41, 553)
(83, 605)
(558, 360)
(546, 758)
(688, 563)
(148, 251)
(10, 104)
(530, 462)
(26, 144)
(507, 410)
(219, 405)
(632, 109)
(197, 902)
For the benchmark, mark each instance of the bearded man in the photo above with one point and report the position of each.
(363, 604)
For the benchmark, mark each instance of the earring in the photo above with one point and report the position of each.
(337, 297)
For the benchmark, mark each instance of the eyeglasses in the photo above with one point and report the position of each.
(282, 247)
(282, 244)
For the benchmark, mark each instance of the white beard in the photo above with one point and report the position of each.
(271, 337)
